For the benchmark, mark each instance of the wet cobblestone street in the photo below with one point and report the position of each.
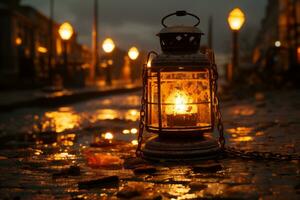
(54, 153)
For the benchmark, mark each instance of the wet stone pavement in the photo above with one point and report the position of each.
(85, 151)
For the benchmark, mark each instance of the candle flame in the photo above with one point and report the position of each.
(180, 101)
(180, 104)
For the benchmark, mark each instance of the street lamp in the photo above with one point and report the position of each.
(66, 32)
(133, 54)
(108, 46)
(236, 20)
(179, 102)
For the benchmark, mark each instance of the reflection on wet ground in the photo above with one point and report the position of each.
(54, 153)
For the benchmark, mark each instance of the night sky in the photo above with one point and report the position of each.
(135, 22)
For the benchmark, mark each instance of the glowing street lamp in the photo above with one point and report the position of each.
(133, 53)
(179, 102)
(236, 20)
(66, 32)
(108, 46)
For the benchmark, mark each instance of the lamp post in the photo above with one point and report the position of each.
(108, 46)
(179, 101)
(66, 31)
(236, 20)
(133, 54)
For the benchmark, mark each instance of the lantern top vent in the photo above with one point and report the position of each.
(180, 39)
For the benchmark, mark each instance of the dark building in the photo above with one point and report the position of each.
(25, 48)
(277, 46)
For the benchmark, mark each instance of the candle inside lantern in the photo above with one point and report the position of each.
(181, 111)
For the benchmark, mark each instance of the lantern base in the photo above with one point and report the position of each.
(158, 149)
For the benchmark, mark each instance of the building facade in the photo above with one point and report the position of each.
(25, 48)
(278, 41)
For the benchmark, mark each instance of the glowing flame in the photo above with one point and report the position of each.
(180, 104)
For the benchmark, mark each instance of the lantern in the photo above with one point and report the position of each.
(178, 102)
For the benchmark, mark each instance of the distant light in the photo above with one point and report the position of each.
(110, 62)
(133, 112)
(108, 136)
(149, 63)
(18, 41)
(133, 53)
(42, 49)
(108, 45)
(133, 131)
(65, 31)
(277, 44)
(103, 65)
(236, 19)
(134, 142)
(126, 131)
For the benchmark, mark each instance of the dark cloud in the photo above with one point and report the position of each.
(135, 22)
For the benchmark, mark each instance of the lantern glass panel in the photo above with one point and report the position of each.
(152, 117)
(185, 100)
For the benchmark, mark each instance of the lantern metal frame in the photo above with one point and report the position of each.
(180, 53)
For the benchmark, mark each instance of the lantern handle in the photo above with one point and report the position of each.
(180, 13)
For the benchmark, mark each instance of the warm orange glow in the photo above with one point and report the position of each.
(108, 45)
(180, 101)
(107, 114)
(242, 139)
(236, 19)
(103, 160)
(132, 115)
(18, 41)
(125, 131)
(62, 156)
(108, 136)
(42, 49)
(58, 47)
(65, 31)
(133, 131)
(61, 121)
(149, 63)
(134, 142)
(133, 53)
(185, 100)
(110, 62)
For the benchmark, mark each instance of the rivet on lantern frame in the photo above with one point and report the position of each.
(179, 102)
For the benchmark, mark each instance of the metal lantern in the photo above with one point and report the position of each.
(179, 102)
